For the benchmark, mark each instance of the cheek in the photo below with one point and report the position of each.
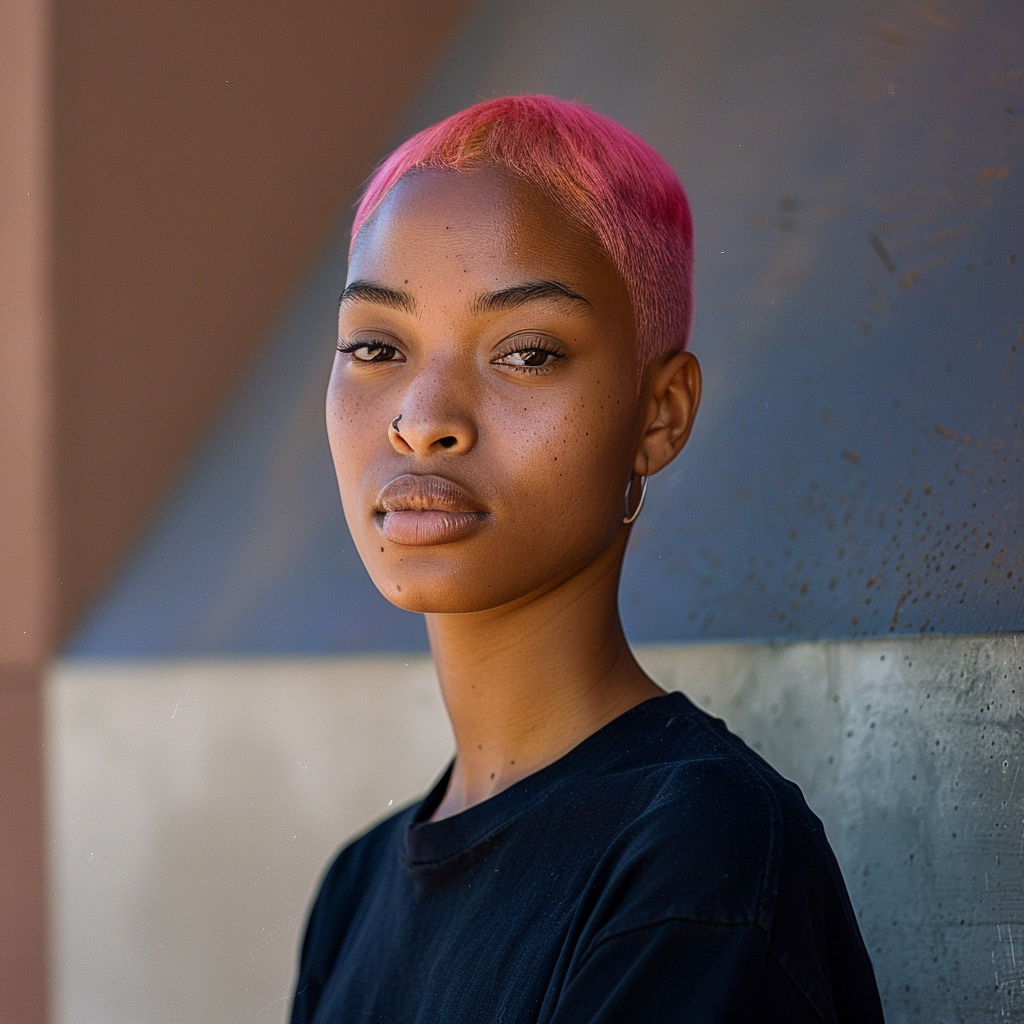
(338, 418)
(349, 432)
(570, 462)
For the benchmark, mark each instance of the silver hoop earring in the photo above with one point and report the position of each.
(627, 518)
(394, 423)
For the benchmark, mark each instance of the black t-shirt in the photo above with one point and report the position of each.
(659, 871)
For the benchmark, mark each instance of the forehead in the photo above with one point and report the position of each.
(483, 226)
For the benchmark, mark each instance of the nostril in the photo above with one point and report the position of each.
(447, 442)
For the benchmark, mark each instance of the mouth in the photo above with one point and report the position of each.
(421, 510)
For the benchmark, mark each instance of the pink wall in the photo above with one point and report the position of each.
(27, 538)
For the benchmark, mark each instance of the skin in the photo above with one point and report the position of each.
(518, 573)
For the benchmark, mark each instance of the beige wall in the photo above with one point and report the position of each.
(193, 806)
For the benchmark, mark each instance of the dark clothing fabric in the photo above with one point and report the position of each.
(660, 871)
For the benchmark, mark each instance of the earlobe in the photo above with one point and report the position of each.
(675, 390)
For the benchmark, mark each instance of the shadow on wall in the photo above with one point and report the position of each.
(856, 178)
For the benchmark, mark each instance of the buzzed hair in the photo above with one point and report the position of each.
(601, 174)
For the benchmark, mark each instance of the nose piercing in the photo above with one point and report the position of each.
(627, 518)
(394, 423)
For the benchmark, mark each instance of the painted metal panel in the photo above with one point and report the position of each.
(855, 172)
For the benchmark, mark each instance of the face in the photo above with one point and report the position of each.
(483, 409)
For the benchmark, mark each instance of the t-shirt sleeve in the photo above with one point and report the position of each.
(685, 971)
(341, 890)
(319, 947)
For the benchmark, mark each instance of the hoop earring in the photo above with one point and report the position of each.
(394, 423)
(627, 518)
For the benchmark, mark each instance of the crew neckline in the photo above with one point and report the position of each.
(431, 843)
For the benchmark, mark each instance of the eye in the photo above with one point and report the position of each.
(534, 354)
(371, 350)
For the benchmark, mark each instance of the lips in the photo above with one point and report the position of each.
(422, 510)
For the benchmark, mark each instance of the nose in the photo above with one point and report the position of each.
(434, 415)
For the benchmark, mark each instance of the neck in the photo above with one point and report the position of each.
(525, 683)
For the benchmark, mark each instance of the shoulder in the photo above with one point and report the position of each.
(721, 838)
(708, 824)
(346, 876)
(336, 903)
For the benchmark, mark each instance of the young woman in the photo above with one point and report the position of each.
(511, 371)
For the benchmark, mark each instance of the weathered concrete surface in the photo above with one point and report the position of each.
(193, 804)
(910, 751)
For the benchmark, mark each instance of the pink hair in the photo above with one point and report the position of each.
(601, 174)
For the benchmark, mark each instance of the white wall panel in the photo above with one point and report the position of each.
(193, 806)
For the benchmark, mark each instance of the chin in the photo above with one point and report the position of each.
(443, 589)
(437, 600)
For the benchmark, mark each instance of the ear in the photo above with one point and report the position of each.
(672, 383)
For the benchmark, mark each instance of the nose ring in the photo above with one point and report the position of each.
(394, 423)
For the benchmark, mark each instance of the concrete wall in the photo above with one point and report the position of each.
(193, 805)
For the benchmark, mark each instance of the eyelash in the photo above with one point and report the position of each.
(377, 347)
(538, 346)
(380, 347)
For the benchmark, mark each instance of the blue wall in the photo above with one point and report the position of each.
(855, 173)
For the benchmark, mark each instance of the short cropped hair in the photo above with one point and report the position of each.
(602, 175)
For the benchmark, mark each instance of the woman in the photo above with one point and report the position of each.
(511, 371)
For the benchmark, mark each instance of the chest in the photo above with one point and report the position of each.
(490, 939)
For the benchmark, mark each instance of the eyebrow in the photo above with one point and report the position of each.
(489, 302)
(381, 295)
(529, 291)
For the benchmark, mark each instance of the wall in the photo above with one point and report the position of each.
(27, 549)
(856, 180)
(855, 175)
(195, 803)
(193, 807)
(167, 172)
(201, 156)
